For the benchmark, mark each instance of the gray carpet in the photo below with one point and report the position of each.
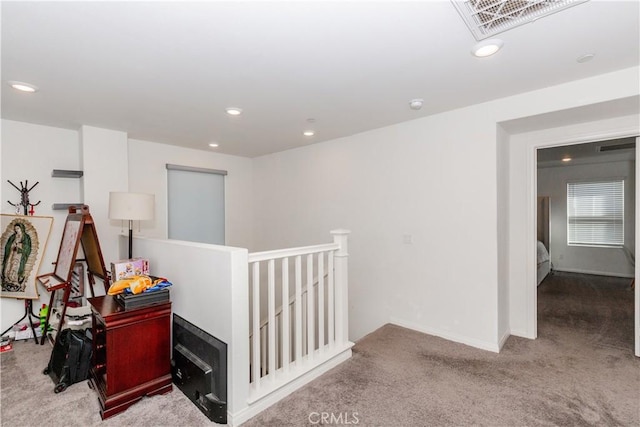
(27, 398)
(580, 371)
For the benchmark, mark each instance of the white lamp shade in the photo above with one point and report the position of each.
(131, 206)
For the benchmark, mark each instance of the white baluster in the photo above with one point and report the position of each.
(342, 286)
(280, 339)
(310, 310)
(321, 302)
(271, 326)
(305, 322)
(255, 346)
(251, 369)
(263, 350)
(292, 332)
(277, 342)
(285, 314)
(331, 301)
(298, 308)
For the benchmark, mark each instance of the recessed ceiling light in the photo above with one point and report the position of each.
(234, 111)
(308, 133)
(23, 87)
(487, 48)
(214, 145)
(416, 104)
(566, 159)
(585, 58)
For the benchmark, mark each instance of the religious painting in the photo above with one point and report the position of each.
(22, 246)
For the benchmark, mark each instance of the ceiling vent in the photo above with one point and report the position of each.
(486, 18)
(615, 147)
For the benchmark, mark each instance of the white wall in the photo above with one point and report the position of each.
(580, 111)
(403, 181)
(502, 156)
(522, 205)
(104, 154)
(432, 181)
(552, 181)
(209, 290)
(30, 152)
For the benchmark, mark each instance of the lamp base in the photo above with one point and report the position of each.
(130, 239)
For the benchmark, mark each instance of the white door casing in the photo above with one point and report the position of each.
(637, 268)
(532, 220)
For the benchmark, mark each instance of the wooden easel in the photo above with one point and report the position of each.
(79, 229)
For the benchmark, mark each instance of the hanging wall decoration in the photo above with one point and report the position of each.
(24, 203)
(22, 246)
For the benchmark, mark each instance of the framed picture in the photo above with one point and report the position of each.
(22, 245)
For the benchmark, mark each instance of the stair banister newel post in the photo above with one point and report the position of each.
(342, 285)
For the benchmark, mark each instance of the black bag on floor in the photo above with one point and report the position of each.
(70, 359)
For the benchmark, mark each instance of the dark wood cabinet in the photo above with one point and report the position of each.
(131, 353)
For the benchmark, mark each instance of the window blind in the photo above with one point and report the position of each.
(595, 213)
(195, 198)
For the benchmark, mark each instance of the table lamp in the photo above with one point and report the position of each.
(131, 207)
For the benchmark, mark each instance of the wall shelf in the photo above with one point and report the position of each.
(61, 173)
(65, 173)
(64, 206)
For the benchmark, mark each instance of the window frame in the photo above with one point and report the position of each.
(619, 212)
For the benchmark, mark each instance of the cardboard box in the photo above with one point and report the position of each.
(129, 267)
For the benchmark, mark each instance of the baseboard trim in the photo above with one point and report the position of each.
(483, 345)
(522, 334)
(504, 338)
(595, 273)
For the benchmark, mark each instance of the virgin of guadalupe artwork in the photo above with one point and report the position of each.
(22, 245)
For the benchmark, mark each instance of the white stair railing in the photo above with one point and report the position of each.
(284, 316)
(310, 325)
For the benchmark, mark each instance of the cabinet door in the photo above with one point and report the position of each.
(138, 352)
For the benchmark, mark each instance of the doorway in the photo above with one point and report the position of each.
(531, 292)
(591, 230)
(518, 141)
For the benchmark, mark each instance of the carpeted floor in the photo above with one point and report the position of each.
(580, 371)
(27, 398)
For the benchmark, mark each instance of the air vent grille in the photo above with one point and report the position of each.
(615, 147)
(486, 18)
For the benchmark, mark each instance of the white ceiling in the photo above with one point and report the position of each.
(165, 71)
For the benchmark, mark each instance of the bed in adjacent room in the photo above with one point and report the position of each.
(544, 264)
(543, 258)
